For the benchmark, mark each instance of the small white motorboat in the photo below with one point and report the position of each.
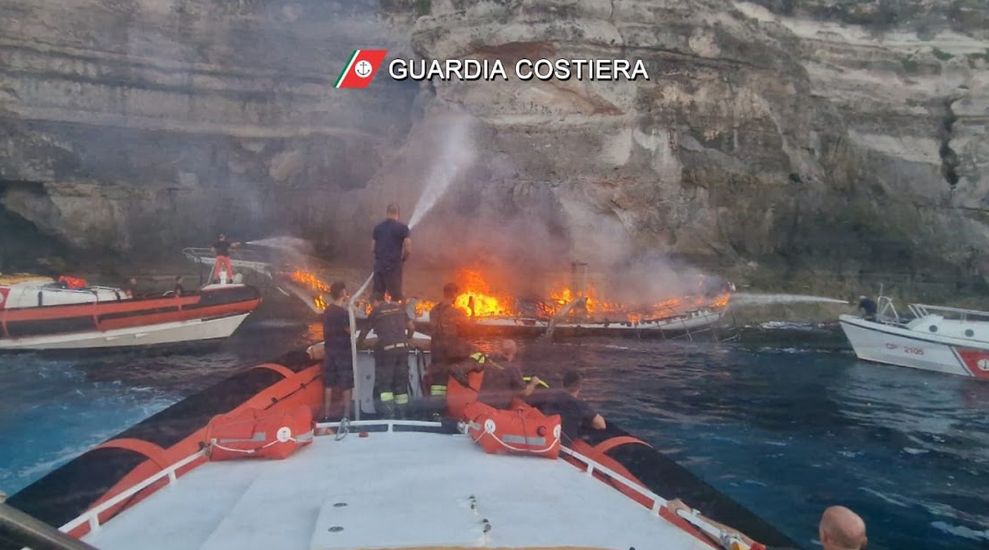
(934, 338)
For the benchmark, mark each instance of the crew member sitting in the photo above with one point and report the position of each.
(503, 380)
(338, 369)
(222, 268)
(178, 290)
(130, 289)
(392, 327)
(868, 307)
(576, 415)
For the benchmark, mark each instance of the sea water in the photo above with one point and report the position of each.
(786, 422)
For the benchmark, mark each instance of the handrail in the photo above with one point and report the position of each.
(388, 423)
(29, 530)
(694, 518)
(92, 515)
(924, 308)
(592, 465)
(355, 397)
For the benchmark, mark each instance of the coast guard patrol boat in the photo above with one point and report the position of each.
(935, 338)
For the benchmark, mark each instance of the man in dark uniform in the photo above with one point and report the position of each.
(391, 246)
(576, 414)
(393, 327)
(868, 307)
(338, 367)
(447, 323)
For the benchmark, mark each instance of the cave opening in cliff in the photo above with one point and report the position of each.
(23, 245)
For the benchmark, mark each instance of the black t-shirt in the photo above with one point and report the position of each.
(222, 248)
(390, 323)
(868, 305)
(388, 238)
(575, 414)
(336, 322)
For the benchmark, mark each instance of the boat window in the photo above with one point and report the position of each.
(969, 332)
(933, 328)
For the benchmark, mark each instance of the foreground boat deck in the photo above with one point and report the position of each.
(389, 490)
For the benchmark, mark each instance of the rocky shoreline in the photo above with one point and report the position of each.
(817, 147)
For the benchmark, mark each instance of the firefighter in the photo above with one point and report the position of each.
(222, 268)
(447, 323)
(868, 307)
(391, 246)
(393, 327)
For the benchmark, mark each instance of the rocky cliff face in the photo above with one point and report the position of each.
(784, 137)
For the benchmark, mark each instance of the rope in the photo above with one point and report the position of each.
(214, 443)
(475, 426)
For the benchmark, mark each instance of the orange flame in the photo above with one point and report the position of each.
(476, 297)
(309, 280)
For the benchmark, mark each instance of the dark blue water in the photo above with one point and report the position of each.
(785, 422)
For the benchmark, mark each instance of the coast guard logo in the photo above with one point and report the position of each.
(983, 364)
(360, 69)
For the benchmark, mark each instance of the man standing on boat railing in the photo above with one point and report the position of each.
(391, 246)
(222, 268)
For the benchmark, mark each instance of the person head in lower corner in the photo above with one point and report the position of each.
(509, 349)
(450, 291)
(338, 291)
(391, 211)
(842, 529)
(572, 381)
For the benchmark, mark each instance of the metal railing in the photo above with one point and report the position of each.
(887, 311)
(22, 528)
(922, 310)
(352, 314)
(92, 515)
(693, 517)
(388, 424)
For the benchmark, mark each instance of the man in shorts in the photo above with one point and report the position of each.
(338, 367)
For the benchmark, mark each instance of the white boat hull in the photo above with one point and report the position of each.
(689, 321)
(164, 333)
(895, 345)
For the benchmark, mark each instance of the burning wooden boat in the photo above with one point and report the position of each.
(579, 309)
(41, 313)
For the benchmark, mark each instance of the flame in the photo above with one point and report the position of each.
(311, 281)
(423, 307)
(476, 297)
(596, 306)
